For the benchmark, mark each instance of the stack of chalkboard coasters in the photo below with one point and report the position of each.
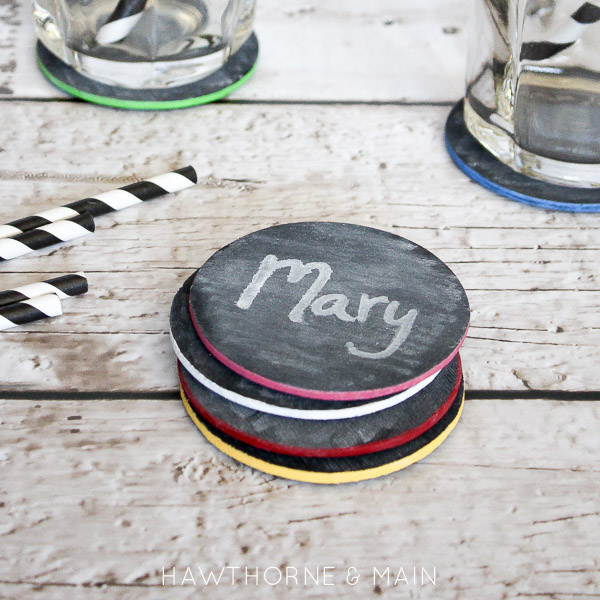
(322, 352)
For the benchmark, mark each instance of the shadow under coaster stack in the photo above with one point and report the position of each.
(322, 352)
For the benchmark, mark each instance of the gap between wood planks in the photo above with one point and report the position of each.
(173, 395)
(39, 586)
(399, 102)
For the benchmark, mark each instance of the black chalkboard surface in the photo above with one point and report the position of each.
(332, 470)
(213, 374)
(330, 311)
(344, 437)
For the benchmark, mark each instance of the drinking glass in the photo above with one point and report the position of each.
(142, 44)
(533, 86)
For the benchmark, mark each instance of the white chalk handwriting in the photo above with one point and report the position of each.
(330, 304)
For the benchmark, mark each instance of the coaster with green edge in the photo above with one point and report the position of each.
(219, 84)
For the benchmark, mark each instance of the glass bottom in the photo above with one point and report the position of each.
(166, 48)
(500, 143)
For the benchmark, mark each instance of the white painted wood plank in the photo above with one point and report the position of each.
(19, 74)
(10, 23)
(378, 164)
(115, 361)
(138, 302)
(107, 494)
(340, 50)
(531, 275)
(116, 336)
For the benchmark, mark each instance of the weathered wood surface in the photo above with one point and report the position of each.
(98, 496)
(531, 275)
(381, 50)
(507, 507)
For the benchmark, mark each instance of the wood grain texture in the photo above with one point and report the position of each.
(344, 50)
(97, 495)
(531, 275)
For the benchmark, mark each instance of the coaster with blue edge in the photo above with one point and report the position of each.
(219, 84)
(483, 167)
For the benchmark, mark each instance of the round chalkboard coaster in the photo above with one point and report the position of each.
(217, 377)
(483, 167)
(331, 470)
(348, 437)
(219, 84)
(330, 311)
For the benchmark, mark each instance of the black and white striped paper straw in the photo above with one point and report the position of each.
(121, 21)
(29, 311)
(131, 194)
(47, 235)
(586, 15)
(65, 286)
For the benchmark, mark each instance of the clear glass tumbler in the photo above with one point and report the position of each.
(142, 44)
(533, 86)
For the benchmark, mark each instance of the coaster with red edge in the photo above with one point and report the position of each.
(331, 470)
(343, 437)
